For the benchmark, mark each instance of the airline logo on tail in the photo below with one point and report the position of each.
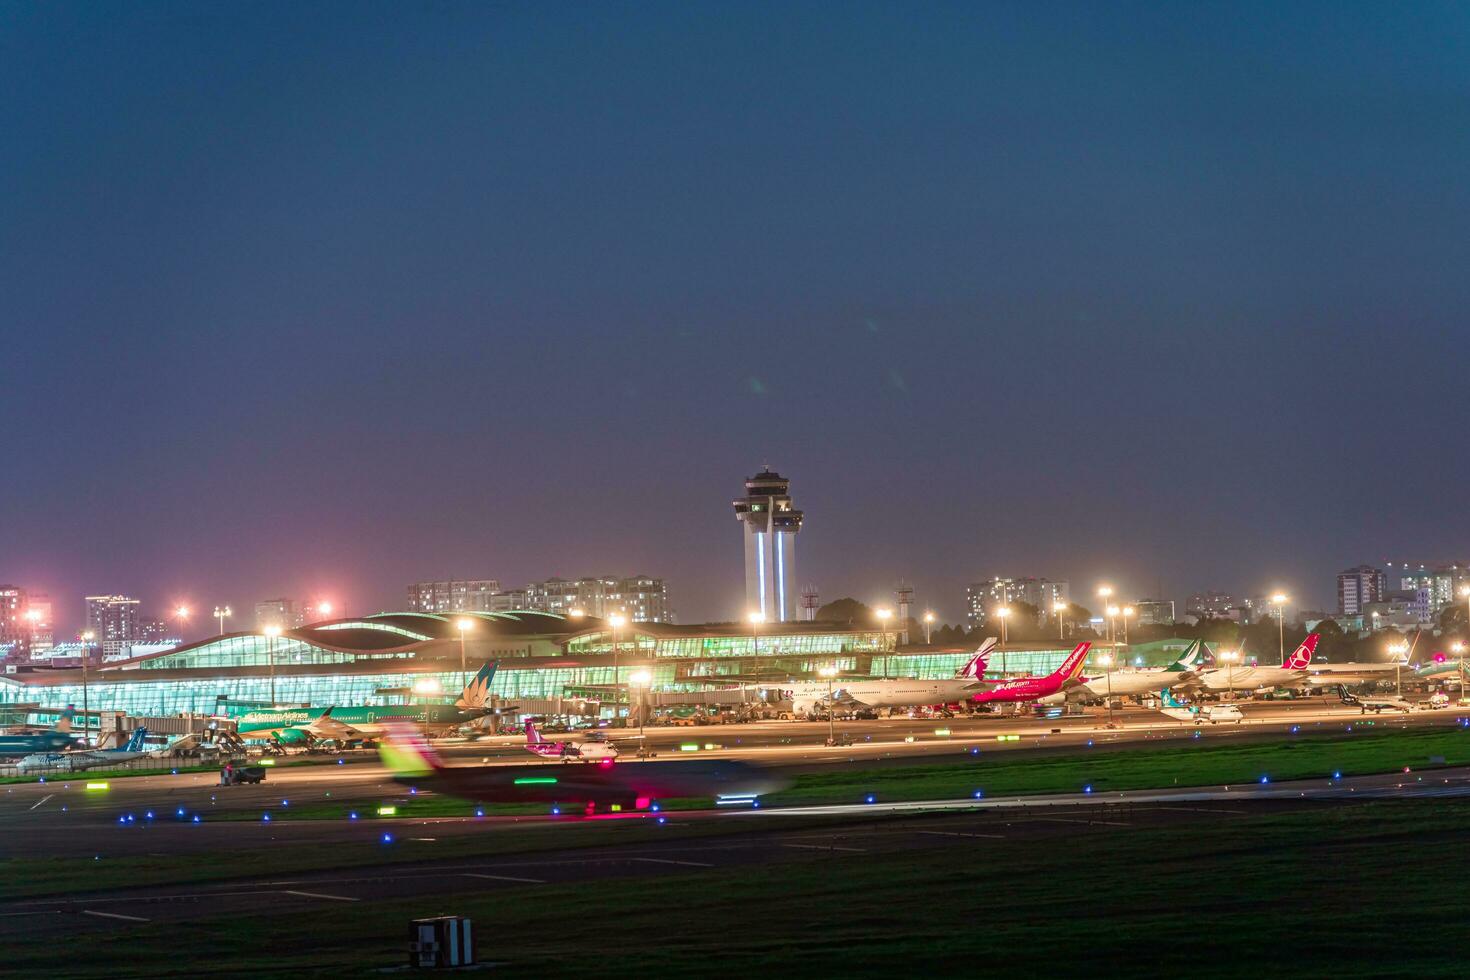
(976, 666)
(533, 737)
(1301, 657)
(135, 741)
(405, 752)
(1186, 662)
(1072, 666)
(477, 691)
(63, 724)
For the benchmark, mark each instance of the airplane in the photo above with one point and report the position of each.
(292, 725)
(903, 692)
(1291, 673)
(84, 759)
(1035, 688)
(609, 784)
(1330, 675)
(1377, 705)
(593, 750)
(1131, 683)
(29, 743)
(1213, 713)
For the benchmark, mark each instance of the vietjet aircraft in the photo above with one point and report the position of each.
(1035, 688)
(1291, 673)
(1131, 683)
(903, 692)
(590, 751)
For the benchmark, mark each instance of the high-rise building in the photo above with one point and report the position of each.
(14, 630)
(1210, 605)
(1442, 582)
(454, 595)
(288, 614)
(1359, 586)
(641, 598)
(113, 621)
(983, 598)
(40, 622)
(1155, 612)
(771, 526)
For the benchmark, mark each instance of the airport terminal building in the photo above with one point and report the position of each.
(547, 662)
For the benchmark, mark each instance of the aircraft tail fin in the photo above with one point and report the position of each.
(976, 666)
(1167, 699)
(63, 723)
(1072, 666)
(135, 740)
(533, 737)
(477, 691)
(1301, 657)
(1187, 659)
(1344, 696)
(405, 751)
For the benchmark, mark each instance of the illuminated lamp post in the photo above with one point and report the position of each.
(1060, 608)
(830, 672)
(324, 609)
(1106, 663)
(1003, 613)
(1279, 601)
(220, 612)
(642, 680)
(1458, 649)
(616, 621)
(1112, 612)
(464, 624)
(424, 687)
(181, 613)
(1105, 593)
(1230, 656)
(1128, 612)
(883, 617)
(271, 632)
(928, 625)
(87, 638)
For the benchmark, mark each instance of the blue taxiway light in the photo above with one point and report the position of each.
(479, 813)
(555, 810)
(265, 817)
(341, 762)
(1337, 775)
(1265, 779)
(196, 818)
(977, 794)
(387, 838)
(872, 799)
(661, 819)
(1087, 789)
(352, 815)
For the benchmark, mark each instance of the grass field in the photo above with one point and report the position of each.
(1365, 890)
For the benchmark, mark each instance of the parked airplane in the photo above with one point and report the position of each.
(592, 750)
(1329, 675)
(1058, 681)
(1214, 712)
(354, 723)
(634, 785)
(1291, 673)
(29, 743)
(903, 692)
(1131, 683)
(84, 759)
(1377, 705)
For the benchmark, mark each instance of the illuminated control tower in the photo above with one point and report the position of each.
(770, 546)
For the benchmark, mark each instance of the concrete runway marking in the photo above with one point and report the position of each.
(955, 833)
(1190, 809)
(114, 915)
(527, 881)
(1110, 823)
(828, 847)
(691, 864)
(42, 800)
(330, 898)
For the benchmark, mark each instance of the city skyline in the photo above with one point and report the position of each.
(1080, 293)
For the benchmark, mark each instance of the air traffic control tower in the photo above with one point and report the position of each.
(771, 525)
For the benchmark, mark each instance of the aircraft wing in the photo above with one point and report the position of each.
(846, 700)
(328, 727)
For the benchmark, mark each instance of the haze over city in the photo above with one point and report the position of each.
(332, 301)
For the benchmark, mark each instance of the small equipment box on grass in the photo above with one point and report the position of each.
(445, 940)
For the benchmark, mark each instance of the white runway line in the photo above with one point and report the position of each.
(828, 847)
(42, 800)
(114, 915)
(691, 864)
(956, 833)
(330, 898)
(1110, 823)
(525, 881)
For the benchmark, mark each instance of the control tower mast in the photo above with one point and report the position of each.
(771, 525)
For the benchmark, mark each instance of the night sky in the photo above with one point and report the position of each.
(323, 299)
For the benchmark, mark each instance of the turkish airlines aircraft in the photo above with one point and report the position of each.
(1292, 672)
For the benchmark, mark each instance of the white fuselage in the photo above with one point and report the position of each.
(899, 693)
(1324, 675)
(1128, 683)
(75, 761)
(1250, 678)
(1213, 713)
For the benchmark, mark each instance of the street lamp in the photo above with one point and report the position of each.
(1003, 613)
(464, 624)
(1230, 656)
(1279, 601)
(576, 613)
(830, 673)
(220, 612)
(928, 625)
(616, 621)
(87, 638)
(641, 679)
(883, 616)
(1399, 650)
(324, 609)
(425, 687)
(1458, 649)
(1106, 663)
(1127, 614)
(181, 613)
(271, 632)
(1465, 591)
(1060, 608)
(1112, 612)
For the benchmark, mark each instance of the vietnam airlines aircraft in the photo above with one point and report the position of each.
(1131, 683)
(59, 737)
(1292, 672)
(1063, 679)
(84, 759)
(1214, 712)
(903, 692)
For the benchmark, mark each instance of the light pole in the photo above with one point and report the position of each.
(220, 612)
(1112, 625)
(1229, 656)
(182, 615)
(616, 621)
(324, 609)
(1003, 613)
(883, 615)
(928, 625)
(829, 673)
(1465, 591)
(1105, 593)
(1060, 608)
(1458, 649)
(1279, 601)
(87, 638)
(1127, 614)
(424, 687)
(1399, 650)
(464, 624)
(271, 632)
(1106, 662)
(641, 679)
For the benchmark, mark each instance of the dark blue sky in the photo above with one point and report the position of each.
(323, 299)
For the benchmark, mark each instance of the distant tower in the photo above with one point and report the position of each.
(810, 603)
(770, 545)
(905, 595)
